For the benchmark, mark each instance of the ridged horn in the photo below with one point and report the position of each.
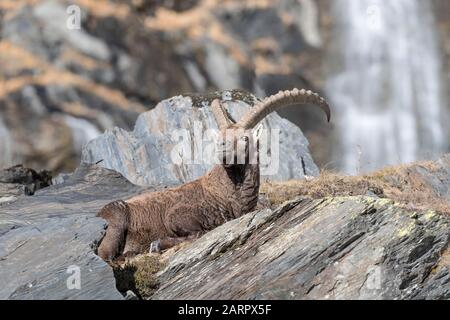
(220, 114)
(279, 100)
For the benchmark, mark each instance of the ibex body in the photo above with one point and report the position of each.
(158, 220)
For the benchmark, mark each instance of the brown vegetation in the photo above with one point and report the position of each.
(403, 184)
(138, 275)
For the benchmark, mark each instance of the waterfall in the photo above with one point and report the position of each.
(6, 143)
(385, 84)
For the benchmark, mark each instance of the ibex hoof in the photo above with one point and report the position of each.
(155, 247)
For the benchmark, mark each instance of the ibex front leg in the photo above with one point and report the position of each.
(181, 221)
(116, 214)
(169, 242)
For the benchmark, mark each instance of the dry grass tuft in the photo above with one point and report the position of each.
(138, 275)
(403, 184)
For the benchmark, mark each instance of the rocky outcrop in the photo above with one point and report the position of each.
(17, 181)
(340, 247)
(334, 248)
(169, 144)
(49, 237)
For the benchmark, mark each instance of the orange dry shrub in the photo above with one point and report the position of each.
(403, 184)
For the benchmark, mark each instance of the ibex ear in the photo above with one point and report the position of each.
(257, 131)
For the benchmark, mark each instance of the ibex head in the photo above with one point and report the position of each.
(238, 142)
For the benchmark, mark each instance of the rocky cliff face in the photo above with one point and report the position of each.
(61, 87)
(336, 248)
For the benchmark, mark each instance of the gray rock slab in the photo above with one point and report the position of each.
(336, 248)
(49, 238)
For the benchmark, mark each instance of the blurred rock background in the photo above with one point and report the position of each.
(60, 88)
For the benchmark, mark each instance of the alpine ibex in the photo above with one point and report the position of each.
(159, 220)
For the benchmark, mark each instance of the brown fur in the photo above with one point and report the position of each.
(223, 194)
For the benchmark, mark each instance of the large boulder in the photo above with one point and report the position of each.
(49, 237)
(149, 154)
(335, 248)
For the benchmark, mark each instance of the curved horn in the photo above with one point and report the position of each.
(279, 100)
(220, 114)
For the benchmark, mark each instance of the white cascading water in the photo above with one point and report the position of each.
(385, 86)
(6, 153)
